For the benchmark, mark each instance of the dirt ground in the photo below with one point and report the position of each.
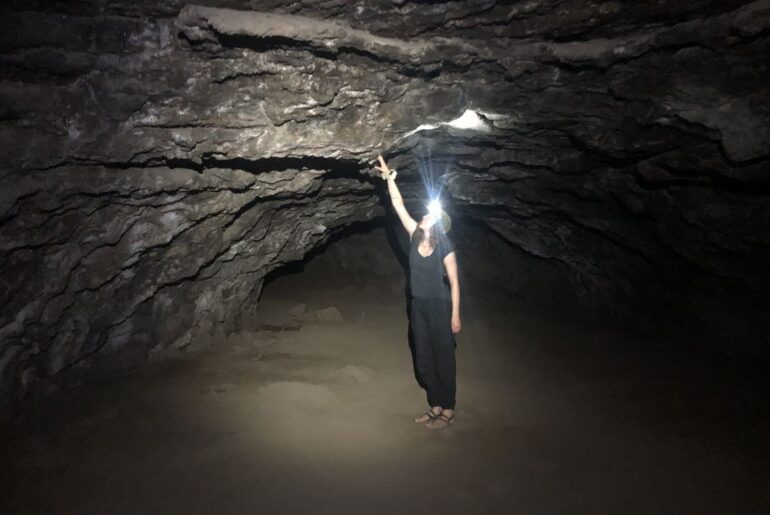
(554, 415)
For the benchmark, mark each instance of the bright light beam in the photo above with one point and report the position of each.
(427, 174)
(469, 120)
(434, 208)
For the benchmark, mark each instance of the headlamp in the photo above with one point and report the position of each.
(434, 208)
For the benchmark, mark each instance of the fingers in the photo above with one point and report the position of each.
(382, 162)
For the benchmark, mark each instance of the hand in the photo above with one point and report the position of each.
(456, 325)
(383, 168)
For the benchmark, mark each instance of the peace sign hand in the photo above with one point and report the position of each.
(384, 170)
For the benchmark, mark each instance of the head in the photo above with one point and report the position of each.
(428, 221)
(436, 216)
(433, 224)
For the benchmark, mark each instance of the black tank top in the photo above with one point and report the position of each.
(426, 274)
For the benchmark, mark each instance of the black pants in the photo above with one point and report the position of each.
(434, 347)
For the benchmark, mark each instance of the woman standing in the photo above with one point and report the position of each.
(435, 313)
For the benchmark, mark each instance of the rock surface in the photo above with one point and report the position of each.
(161, 157)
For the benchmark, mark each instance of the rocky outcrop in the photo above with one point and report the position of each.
(160, 158)
(139, 259)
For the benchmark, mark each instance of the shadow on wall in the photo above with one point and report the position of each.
(490, 264)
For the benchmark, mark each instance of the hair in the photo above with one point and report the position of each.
(432, 237)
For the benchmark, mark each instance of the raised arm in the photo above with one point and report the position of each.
(395, 197)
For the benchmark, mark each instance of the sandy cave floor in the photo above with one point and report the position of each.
(553, 416)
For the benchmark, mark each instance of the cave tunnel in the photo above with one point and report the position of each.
(210, 301)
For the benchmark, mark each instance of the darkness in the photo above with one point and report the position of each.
(204, 303)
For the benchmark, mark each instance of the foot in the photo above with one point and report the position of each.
(429, 416)
(445, 419)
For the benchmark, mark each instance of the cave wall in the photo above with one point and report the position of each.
(161, 157)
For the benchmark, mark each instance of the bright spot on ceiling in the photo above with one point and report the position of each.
(469, 120)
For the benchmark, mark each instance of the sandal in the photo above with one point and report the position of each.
(431, 417)
(443, 418)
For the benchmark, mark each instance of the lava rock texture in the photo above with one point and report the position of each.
(159, 158)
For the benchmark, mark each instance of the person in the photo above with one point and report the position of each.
(435, 309)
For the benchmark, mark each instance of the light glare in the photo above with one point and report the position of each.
(434, 208)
